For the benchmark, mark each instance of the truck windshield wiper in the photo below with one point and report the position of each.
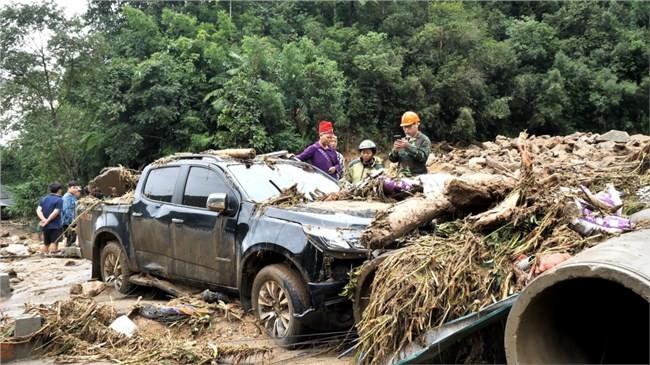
(276, 186)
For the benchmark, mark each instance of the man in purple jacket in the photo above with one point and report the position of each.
(320, 154)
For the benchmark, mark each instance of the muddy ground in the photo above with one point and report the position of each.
(45, 280)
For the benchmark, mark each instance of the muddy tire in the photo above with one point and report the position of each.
(278, 293)
(115, 268)
(362, 292)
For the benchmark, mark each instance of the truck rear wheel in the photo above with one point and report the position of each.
(279, 293)
(115, 268)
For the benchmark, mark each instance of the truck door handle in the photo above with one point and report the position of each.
(177, 221)
(136, 214)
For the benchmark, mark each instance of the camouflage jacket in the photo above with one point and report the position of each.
(412, 160)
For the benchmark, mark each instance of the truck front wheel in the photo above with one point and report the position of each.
(114, 267)
(278, 293)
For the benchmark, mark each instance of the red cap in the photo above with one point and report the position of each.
(325, 127)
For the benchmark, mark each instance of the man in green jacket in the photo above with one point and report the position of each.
(411, 153)
(366, 164)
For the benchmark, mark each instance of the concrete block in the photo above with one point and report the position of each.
(5, 287)
(27, 325)
(24, 350)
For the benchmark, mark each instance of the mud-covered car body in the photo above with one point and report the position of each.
(170, 231)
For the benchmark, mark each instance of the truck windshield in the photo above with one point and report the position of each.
(261, 181)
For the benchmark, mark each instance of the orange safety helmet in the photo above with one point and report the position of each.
(409, 118)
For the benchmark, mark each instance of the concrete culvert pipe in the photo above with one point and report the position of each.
(592, 309)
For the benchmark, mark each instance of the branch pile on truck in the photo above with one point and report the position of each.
(473, 257)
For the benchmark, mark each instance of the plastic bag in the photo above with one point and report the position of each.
(590, 222)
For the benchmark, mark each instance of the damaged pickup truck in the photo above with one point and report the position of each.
(200, 220)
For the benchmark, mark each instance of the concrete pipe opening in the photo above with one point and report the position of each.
(592, 309)
(585, 321)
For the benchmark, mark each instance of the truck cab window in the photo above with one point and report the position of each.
(160, 184)
(202, 182)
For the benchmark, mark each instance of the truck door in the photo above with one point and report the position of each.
(204, 241)
(150, 221)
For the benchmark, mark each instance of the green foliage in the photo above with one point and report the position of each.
(130, 82)
(27, 195)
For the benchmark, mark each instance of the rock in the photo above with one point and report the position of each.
(4, 234)
(441, 167)
(505, 142)
(582, 149)
(607, 145)
(637, 140)
(535, 149)
(490, 145)
(70, 251)
(58, 277)
(92, 288)
(70, 263)
(76, 289)
(15, 249)
(34, 248)
(476, 163)
(12, 273)
(14, 280)
(22, 238)
(614, 136)
(560, 150)
(4, 244)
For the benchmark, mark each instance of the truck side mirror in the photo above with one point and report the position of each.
(217, 202)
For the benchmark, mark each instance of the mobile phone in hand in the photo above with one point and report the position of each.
(397, 137)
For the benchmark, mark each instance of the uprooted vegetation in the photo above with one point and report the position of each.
(467, 263)
(79, 330)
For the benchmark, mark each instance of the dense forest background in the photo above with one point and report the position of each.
(129, 82)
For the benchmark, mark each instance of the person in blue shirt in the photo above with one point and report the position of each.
(68, 212)
(49, 213)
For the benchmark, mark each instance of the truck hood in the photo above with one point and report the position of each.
(332, 214)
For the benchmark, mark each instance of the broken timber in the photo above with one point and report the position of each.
(472, 191)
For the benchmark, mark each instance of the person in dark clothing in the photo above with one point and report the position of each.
(411, 153)
(49, 213)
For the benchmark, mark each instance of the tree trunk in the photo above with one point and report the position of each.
(404, 217)
(473, 191)
(246, 153)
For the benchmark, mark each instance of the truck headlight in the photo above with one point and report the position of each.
(345, 238)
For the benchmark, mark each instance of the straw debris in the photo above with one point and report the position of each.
(467, 264)
(78, 330)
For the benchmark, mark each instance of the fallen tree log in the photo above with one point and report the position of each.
(472, 191)
(404, 217)
(245, 153)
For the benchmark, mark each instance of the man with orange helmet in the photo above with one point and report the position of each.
(411, 153)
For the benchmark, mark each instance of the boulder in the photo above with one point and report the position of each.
(92, 288)
(614, 136)
(606, 146)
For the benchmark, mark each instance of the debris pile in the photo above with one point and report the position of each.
(83, 330)
(459, 267)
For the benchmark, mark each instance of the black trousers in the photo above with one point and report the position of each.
(70, 234)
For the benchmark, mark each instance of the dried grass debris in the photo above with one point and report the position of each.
(78, 330)
(464, 266)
